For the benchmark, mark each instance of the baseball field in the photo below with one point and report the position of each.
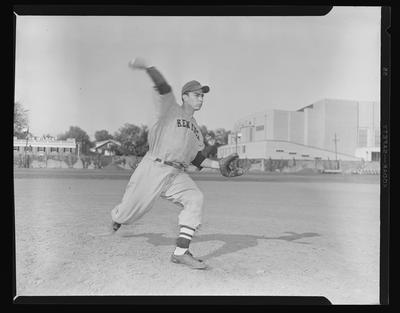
(262, 235)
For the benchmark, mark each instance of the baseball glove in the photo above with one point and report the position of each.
(230, 167)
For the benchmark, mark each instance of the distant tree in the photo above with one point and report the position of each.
(203, 130)
(207, 134)
(47, 136)
(21, 121)
(221, 136)
(210, 151)
(142, 145)
(81, 138)
(101, 135)
(133, 139)
(212, 140)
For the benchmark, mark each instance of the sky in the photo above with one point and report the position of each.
(73, 70)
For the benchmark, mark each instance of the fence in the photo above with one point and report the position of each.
(30, 160)
(315, 166)
(130, 162)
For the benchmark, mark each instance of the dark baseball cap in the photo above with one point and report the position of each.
(194, 85)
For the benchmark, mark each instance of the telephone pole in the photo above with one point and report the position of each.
(237, 136)
(79, 148)
(26, 156)
(336, 140)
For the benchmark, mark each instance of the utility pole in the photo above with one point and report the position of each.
(237, 136)
(336, 140)
(236, 139)
(26, 149)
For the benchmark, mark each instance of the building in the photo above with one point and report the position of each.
(106, 147)
(42, 146)
(326, 129)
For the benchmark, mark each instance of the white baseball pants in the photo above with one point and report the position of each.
(152, 180)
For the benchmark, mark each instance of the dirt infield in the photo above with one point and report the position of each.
(262, 235)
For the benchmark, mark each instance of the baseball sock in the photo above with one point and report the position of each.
(184, 239)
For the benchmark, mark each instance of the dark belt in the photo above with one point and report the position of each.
(176, 165)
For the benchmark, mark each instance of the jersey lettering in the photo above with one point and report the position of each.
(188, 125)
(180, 136)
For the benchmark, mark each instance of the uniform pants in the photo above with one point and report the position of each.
(152, 180)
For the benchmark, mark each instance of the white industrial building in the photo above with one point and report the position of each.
(326, 129)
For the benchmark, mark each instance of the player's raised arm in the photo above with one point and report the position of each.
(160, 84)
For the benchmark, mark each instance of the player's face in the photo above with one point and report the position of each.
(195, 99)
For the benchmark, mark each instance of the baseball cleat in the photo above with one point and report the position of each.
(115, 226)
(188, 260)
(188, 252)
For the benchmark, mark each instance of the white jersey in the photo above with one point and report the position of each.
(175, 136)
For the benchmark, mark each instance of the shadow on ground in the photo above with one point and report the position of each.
(232, 242)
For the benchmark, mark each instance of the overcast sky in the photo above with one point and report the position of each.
(73, 70)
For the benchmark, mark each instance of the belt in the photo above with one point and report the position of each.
(179, 166)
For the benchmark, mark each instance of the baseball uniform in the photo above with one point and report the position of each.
(175, 141)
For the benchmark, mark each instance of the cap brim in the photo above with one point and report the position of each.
(205, 89)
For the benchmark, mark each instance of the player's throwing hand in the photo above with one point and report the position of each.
(138, 64)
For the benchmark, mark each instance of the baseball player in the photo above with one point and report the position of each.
(175, 142)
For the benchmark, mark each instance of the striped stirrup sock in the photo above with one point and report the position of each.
(185, 237)
(186, 232)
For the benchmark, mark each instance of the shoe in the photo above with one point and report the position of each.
(188, 252)
(188, 260)
(115, 226)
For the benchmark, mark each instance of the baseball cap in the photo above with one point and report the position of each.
(194, 85)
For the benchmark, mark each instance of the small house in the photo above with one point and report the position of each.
(106, 147)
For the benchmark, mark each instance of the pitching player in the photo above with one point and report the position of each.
(175, 142)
